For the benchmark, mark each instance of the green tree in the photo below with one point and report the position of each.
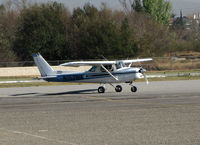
(152, 39)
(42, 28)
(95, 32)
(159, 10)
(129, 45)
(7, 34)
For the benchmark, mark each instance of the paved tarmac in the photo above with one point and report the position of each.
(162, 113)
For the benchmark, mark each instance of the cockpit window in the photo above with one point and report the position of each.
(93, 69)
(108, 67)
(120, 65)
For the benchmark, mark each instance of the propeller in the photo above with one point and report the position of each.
(145, 77)
(142, 71)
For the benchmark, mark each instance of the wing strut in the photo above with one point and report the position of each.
(109, 73)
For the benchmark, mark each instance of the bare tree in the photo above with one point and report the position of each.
(126, 5)
(15, 4)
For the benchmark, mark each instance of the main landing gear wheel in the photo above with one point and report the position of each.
(118, 88)
(134, 89)
(101, 90)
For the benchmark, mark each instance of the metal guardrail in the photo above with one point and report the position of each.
(179, 74)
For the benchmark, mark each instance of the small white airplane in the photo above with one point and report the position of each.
(102, 72)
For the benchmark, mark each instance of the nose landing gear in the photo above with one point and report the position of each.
(134, 89)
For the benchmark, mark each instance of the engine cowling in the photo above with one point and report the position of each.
(142, 70)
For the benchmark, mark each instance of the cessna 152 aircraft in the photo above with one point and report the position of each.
(102, 72)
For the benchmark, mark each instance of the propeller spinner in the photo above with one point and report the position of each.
(142, 71)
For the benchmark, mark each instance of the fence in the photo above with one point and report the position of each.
(158, 63)
(28, 63)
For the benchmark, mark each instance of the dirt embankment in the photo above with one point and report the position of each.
(33, 71)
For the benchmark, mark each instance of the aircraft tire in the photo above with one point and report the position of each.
(101, 90)
(118, 88)
(133, 89)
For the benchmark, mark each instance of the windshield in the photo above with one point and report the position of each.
(93, 69)
(120, 65)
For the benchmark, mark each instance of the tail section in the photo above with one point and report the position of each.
(44, 68)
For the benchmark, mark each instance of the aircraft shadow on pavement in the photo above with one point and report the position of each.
(25, 94)
(89, 91)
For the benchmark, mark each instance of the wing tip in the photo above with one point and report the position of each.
(36, 54)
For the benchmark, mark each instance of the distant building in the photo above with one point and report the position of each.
(187, 22)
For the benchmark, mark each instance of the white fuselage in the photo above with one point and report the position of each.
(125, 74)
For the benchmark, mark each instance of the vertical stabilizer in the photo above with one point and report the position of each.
(44, 68)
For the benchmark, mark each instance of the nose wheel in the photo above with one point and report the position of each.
(134, 89)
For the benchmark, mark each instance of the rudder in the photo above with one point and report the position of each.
(44, 68)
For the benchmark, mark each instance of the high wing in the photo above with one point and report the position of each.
(99, 63)
(136, 60)
(92, 63)
(88, 63)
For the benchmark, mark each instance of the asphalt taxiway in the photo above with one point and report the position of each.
(165, 112)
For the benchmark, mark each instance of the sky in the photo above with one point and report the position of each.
(187, 6)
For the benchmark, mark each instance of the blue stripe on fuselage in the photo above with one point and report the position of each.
(84, 76)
